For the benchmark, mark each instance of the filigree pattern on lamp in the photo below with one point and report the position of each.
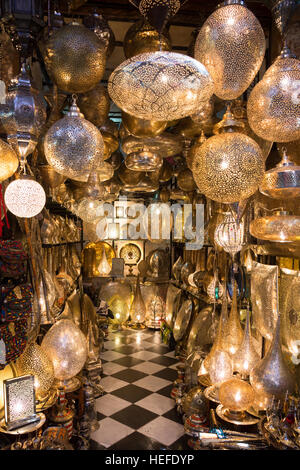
(25, 197)
(228, 167)
(8, 161)
(281, 227)
(160, 85)
(273, 105)
(231, 45)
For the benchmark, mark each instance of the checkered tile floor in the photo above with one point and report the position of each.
(136, 411)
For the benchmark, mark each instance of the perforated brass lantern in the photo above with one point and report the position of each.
(235, 396)
(75, 58)
(66, 346)
(281, 227)
(97, 23)
(229, 234)
(35, 361)
(158, 12)
(73, 146)
(246, 356)
(138, 308)
(230, 166)
(143, 161)
(8, 161)
(118, 295)
(25, 197)
(141, 37)
(88, 208)
(95, 105)
(220, 367)
(10, 60)
(283, 181)
(231, 45)
(273, 105)
(271, 376)
(160, 85)
(233, 334)
(104, 267)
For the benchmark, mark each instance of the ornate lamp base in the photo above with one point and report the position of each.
(236, 417)
(70, 385)
(212, 393)
(31, 427)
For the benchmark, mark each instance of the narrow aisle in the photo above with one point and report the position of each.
(136, 411)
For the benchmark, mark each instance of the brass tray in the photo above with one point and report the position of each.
(182, 319)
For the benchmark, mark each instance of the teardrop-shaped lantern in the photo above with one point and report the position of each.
(160, 85)
(158, 12)
(104, 267)
(230, 166)
(138, 308)
(272, 377)
(283, 181)
(73, 146)
(246, 356)
(231, 45)
(233, 329)
(273, 106)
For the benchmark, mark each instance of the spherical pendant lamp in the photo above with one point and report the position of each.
(274, 105)
(73, 146)
(75, 58)
(230, 166)
(160, 85)
(8, 161)
(25, 197)
(231, 45)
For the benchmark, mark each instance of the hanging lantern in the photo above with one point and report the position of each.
(190, 154)
(138, 309)
(158, 12)
(10, 59)
(246, 356)
(97, 23)
(73, 146)
(229, 235)
(273, 106)
(220, 336)
(220, 367)
(23, 114)
(230, 166)
(272, 377)
(8, 161)
(75, 58)
(281, 227)
(88, 208)
(104, 268)
(35, 361)
(239, 112)
(141, 37)
(231, 44)
(283, 181)
(25, 197)
(95, 105)
(66, 346)
(143, 161)
(160, 85)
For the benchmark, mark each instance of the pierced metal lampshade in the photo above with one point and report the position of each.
(160, 85)
(97, 23)
(236, 395)
(23, 114)
(141, 37)
(95, 105)
(138, 308)
(73, 146)
(118, 295)
(143, 161)
(246, 357)
(230, 166)
(220, 367)
(165, 144)
(283, 181)
(75, 58)
(272, 377)
(231, 45)
(8, 161)
(158, 12)
(273, 106)
(10, 59)
(25, 197)
(229, 235)
(35, 361)
(233, 335)
(281, 227)
(66, 346)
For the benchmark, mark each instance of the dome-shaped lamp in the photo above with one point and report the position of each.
(231, 44)
(66, 346)
(160, 85)
(73, 146)
(236, 396)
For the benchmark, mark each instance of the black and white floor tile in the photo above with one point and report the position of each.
(136, 411)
